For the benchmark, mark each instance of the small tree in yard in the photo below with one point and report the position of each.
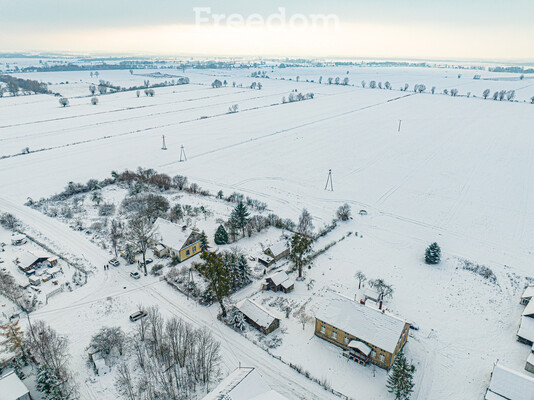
(433, 254)
(400, 380)
(486, 93)
(116, 234)
(383, 289)
(221, 236)
(300, 248)
(141, 232)
(360, 276)
(204, 245)
(216, 273)
(108, 339)
(305, 225)
(240, 217)
(64, 101)
(180, 181)
(343, 212)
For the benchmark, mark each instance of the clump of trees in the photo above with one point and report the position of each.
(50, 351)
(216, 84)
(15, 84)
(433, 254)
(171, 360)
(343, 212)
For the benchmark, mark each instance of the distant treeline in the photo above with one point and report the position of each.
(15, 84)
(514, 70)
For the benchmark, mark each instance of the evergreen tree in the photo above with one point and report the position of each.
(433, 254)
(216, 273)
(240, 217)
(221, 237)
(400, 380)
(300, 248)
(204, 245)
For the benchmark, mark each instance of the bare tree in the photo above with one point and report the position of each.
(360, 276)
(343, 212)
(180, 181)
(94, 101)
(116, 233)
(305, 225)
(510, 95)
(485, 93)
(363, 84)
(64, 101)
(141, 234)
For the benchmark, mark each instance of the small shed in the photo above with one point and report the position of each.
(52, 261)
(17, 240)
(53, 271)
(265, 260)
(371, 294)
(279, 282)
(257, 316)
(527, 295)
(12, 388)
(34, 280)
(278, 250)
(530, 363)
(100, 364)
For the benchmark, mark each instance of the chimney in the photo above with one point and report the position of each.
(380, 305)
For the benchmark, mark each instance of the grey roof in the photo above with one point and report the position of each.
(170, 235)
(256, 313)
(11, 387)
(278, 248)
(526, 329)
(368, 324)
(510, 384)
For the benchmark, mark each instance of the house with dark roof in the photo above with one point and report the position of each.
(257, 316)
(366, 334)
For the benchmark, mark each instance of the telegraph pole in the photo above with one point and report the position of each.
(400, 122)
(164, 147)
(329, 180)
(183, 157)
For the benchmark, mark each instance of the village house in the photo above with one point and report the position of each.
(366, 334)
(175, 241)
(507, 384)
(29, 260)
(244, 383)
(279, 282)
(257, 316)
(17, 240)
(12, 388)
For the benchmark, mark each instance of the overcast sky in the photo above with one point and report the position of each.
(454, 29)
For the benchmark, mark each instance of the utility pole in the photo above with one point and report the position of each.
(329, 180)
(164, 147)
(183, 157)
(400, 122)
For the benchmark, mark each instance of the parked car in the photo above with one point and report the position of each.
(135, 275)
(114, 262)
(148, 261)
(137, 316)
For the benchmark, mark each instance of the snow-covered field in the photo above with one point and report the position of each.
(459, 172)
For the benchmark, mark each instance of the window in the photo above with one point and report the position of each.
(346, 340)
(382, 358)
(373, 354)
(187, 252)
(194, 248)
(323, 329)
(334, 334)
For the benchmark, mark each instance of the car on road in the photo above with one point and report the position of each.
(114, 262)
(135, 275)
(148, 261)
(137, 316)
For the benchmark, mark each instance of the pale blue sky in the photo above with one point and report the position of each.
(482, 28)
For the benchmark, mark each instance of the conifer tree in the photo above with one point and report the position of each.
(433, 254)
(204, 245)
(221, 237)
(240, 217)
(300, 248)
(400, 380)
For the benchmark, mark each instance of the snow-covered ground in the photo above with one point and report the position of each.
(459, 172)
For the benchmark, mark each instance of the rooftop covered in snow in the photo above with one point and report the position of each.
(255, 313)
(170, 234)
(12, 388)
(244, 384)
(510, 385)
(368, 324)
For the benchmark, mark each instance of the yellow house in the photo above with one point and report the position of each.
(366, 334)
(175, 241)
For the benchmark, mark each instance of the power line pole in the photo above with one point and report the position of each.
(400, 122)
(183, 157)
(329, 180)
(164, 147)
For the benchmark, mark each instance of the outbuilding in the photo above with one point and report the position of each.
(257, 316)
(279, 282)
(12, 388)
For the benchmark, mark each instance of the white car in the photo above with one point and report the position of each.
(114, 262)
(135, 275)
